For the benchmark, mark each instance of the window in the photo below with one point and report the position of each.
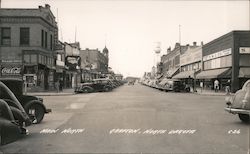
(26, 58)
(46, 39)
(51, 42)
(42, 38)
(5, 37)
(33, 58)
(24, 36)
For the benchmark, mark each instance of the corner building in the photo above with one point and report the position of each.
(27, 40)
(227, 59)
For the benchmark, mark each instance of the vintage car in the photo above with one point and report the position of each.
(97, 85)
(239, 103)
(13, 117)
(173, 85)
(33, 105)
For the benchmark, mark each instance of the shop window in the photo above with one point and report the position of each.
(24, 36)
(33, 58)
(245, 60)
(5, 36)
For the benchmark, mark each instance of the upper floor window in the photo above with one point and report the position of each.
(51, 42)
(46, 40)
(5, 36)
(42, 38)
(24, 36)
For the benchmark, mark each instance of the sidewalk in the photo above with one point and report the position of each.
(210, 92)
(65, 92)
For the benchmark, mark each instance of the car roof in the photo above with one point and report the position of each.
(10, 79)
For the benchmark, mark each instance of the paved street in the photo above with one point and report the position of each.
(135, 119)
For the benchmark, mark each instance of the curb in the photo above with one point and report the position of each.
(53, 94)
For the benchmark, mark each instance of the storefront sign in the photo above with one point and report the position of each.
(11, 61)
(11, 70)
(218, 54)
(244, 50)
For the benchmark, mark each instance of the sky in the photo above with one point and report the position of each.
(131, 29)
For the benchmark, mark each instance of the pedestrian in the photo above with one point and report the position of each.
(216, 85)
(57, 85)
(61, 85)
(228, 87)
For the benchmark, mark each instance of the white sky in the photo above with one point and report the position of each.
(133, 27)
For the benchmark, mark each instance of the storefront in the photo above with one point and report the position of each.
(226, 59)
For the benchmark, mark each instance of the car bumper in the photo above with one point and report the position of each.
(236, 111)
(48, 111)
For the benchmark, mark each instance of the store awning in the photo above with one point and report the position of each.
(216, 73)
(171, 73)
(163, 81)
(244, 72)
(184, 75)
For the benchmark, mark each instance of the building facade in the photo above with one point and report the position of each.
(171, 61)
(94, 63)
(27, 42)
(190, 64)
(72, 74)
(226, 59)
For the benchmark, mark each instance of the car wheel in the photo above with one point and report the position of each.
(85, 90)
(106, 89)
(244, 118)
(188, 89)
(35, 112)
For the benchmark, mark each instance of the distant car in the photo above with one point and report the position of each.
(12, 117)
(173, 85)
(239, 103)
(97, 85)
(33, 105)
(131, 83)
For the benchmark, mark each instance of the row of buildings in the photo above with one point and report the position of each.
(30, 50)
(226, 59)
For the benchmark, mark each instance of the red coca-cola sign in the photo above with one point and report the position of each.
(11, 70)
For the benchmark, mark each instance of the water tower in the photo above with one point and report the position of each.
(157, 51)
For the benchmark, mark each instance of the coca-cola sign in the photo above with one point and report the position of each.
(12, 70)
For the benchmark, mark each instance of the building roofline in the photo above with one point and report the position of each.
(226, 35)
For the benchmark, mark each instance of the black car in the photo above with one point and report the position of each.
(33, 105)
(12, 117)
(97, 85)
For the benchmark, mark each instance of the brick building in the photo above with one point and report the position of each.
(94, 63)
(27, 42)
(171, 61)
(227, 59)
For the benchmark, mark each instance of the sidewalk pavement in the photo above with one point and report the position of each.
(211, 92)
(65, 92)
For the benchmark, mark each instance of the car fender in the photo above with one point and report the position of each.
(91, 88)
(34, 102)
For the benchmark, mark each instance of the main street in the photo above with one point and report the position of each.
(135, 119)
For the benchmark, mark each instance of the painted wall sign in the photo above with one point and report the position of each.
(244, 50)
(11, 70)
(218, 54)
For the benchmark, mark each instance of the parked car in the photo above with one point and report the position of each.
(239, 103)
(12, 117)
(173, 85)
(33, 105)
(97, 85)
